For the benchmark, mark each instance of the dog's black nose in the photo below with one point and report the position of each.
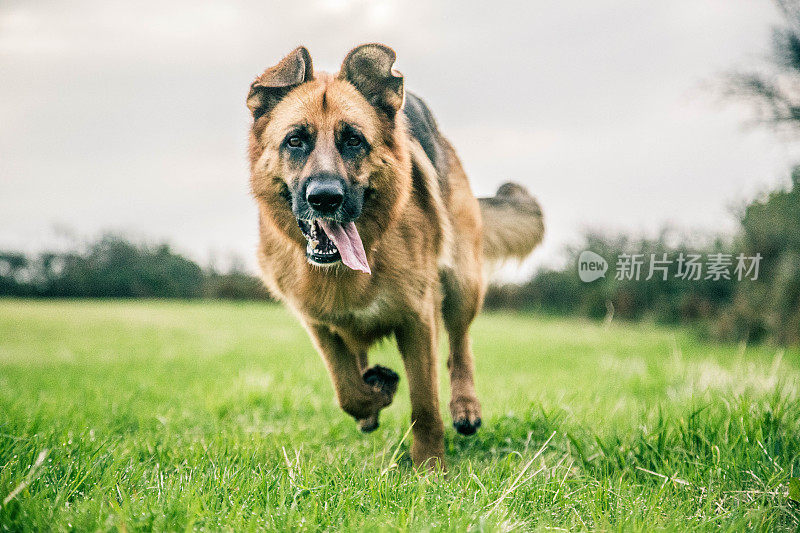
(325, 195)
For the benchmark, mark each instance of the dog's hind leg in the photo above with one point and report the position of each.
(461, 302)
(361, 395)
(417, 342)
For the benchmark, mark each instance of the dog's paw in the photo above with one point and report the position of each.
(466, 414)
(368, 425)
(382, 379)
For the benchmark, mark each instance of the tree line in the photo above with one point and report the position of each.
(113, 266)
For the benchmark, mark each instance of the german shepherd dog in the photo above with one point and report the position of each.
(369, 228)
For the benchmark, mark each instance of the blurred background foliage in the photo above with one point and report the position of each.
(115, 267)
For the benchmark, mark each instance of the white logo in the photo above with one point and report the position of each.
(591, 266)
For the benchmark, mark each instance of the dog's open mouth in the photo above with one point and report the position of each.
(329, 242)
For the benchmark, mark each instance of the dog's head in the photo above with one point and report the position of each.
(328, 164)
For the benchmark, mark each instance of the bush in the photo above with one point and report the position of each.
(673, 300)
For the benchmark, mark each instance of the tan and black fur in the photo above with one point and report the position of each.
(425, 235)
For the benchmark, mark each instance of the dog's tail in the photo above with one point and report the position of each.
(513, 224)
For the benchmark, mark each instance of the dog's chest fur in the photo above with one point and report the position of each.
(368, 319)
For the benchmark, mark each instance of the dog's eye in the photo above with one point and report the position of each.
(295, 141)
(353, 141)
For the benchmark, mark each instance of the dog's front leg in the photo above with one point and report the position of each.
(361, 396)
(417, 342)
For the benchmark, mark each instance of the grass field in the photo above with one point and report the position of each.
(209, 415)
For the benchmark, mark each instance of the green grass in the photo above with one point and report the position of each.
(209, 415)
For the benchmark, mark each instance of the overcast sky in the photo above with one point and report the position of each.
(130, 116)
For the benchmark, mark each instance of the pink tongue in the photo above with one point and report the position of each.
(348, 242)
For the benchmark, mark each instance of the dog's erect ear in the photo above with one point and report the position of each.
(277, 81)
(369, 68)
